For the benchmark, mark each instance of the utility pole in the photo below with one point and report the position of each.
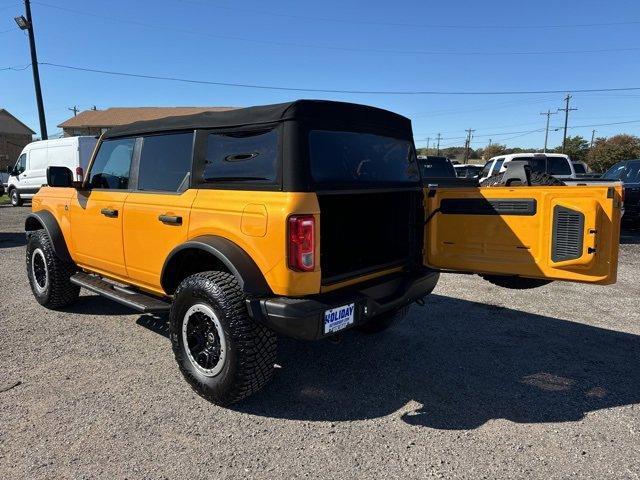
(566, 111)
(467, 144)
(489, 142)
(548, 113)
(27, 24)
(75, 110)
(428, 140)
(593, 136)
(439, 137)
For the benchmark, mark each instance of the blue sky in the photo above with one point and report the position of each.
(360, 45)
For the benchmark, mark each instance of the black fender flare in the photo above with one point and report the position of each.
(45, 220)
(233, 257)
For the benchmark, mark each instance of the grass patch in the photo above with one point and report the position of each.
(4, 200)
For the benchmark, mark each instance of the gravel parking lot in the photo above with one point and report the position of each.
(482, 382)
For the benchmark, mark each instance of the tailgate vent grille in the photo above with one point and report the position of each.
(568, 228)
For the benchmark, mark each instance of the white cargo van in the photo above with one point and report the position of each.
(30, 171)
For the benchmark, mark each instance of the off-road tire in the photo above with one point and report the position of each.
(510, 281)
(58, 291)
(16, 200)
(383, 322)
(536, 179)
(250, 347)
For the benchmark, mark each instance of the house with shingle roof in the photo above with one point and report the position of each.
(14, 135)
(96, 122)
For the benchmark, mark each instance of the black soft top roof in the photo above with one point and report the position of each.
(316, 111)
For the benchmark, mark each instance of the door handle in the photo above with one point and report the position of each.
(170, 219)
(109, 212)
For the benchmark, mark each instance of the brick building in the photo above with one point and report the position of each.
(14, 135)
(95, 122)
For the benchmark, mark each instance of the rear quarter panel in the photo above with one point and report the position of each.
(256, 221)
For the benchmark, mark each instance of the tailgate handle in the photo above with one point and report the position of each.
(109, 212)
(170, 219)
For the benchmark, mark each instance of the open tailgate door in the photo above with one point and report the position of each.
(549, 232)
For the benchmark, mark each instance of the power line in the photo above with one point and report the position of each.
(326, 90)
(16, 68)
(339, 48)
(418, 25)
(604, 124)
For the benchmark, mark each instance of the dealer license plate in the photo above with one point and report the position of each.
(339, 318)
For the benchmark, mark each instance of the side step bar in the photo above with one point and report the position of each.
(136, 300)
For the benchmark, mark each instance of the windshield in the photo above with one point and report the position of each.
(616, 172)
(436, 167)
(361, 158)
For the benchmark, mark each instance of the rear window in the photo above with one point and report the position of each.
(558, 166)
(436, 167)
(579, 168)
(360, 158)
(537, 164)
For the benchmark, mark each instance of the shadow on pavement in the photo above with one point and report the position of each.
(158, 323)
(12, 239)
(97, 305)
(464, 363)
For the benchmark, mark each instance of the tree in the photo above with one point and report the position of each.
(607, 152)
(576, 147)
(493, 150)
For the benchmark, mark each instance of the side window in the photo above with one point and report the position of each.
(497, 166)
(486, 169)
(558, 166)
(112, 164)
(242, 156)
(21, 164)
(165, 162)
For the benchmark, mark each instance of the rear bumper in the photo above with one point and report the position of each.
(303, 318)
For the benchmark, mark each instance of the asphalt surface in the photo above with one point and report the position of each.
(482, 382)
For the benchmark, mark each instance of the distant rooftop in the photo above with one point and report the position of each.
(10, 124)
(124, 115)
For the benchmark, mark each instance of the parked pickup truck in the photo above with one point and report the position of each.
(301, 219)
(628, 172)
(556, 164)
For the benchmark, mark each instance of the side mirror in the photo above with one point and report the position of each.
(10, 170)
(60, 177)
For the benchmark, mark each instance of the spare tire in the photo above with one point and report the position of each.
(512, 281)
(536, 179)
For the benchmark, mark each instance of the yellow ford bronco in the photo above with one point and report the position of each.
(301, 219)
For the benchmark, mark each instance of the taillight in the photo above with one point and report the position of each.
(302, 243)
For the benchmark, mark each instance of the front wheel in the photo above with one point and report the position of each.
(16, 200)
(49, 276)
(223, 354)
